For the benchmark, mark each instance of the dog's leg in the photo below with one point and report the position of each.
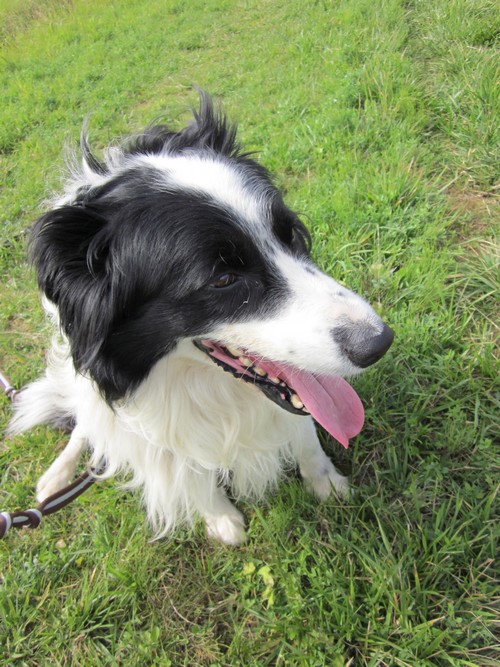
(318, 472)
(223, 521)
(63, 469)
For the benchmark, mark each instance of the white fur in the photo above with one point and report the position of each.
(189, 427)
(221, 181)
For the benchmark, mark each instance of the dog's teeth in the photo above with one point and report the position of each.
(296, 402)
(305, 410)
(260, 371)
(245, 361)
(234, 351)
(274, 379)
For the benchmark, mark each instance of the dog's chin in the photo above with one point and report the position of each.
(328, 398)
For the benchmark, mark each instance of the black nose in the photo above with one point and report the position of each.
(361, 345)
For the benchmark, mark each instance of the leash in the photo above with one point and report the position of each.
(8, 389)
(32, 518)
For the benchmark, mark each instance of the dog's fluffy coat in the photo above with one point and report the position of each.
(179, 238)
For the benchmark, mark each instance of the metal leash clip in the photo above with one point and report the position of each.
(32, 518)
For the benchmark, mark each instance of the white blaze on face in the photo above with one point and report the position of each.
(228, 185)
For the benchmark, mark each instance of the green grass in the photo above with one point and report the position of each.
(380, 121)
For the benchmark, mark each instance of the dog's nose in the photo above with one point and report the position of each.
(361, 345)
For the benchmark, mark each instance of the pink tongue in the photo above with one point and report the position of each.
(330, 399)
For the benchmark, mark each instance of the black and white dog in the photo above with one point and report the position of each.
(196, 339)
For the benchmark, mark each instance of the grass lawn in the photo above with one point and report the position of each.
(381, 123)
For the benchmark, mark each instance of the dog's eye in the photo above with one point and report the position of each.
(224, 280)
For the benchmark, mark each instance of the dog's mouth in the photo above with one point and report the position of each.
(328, 398)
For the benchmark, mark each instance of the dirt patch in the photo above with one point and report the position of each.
(481, 209)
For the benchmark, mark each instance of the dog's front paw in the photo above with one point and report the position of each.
(327, 481)
(227, 528)
(54, 479)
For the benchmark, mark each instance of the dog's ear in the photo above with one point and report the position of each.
(69, 248)
(99, 311)
(67, 244)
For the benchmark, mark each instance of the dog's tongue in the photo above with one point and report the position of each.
(330, 399)
(333, 403)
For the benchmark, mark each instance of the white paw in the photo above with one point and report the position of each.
(327, 482)
(227, 528)
(56, 478)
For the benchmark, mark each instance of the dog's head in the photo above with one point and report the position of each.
(181, 235)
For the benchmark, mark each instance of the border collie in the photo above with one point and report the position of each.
(196, 340)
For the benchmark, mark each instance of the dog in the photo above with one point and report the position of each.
(195, 340)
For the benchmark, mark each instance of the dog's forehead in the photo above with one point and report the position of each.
(230, 184)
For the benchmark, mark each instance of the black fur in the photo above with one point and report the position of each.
(133, 267)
